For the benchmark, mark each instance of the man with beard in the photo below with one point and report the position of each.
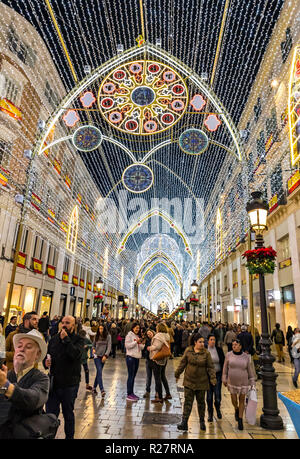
(23, 390)
(30, 322)
(64, 360)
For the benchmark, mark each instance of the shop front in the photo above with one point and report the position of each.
(46, 302)
(15, 308)
(62, 305)
(78, 310)
(30, 300)
(289, 306)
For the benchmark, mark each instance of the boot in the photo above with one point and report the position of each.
(237, 414)
(202, 424)
(183, 425)
(219, 414)
(210, 416)
(240, 424)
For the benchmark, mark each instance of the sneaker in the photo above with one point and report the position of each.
(130, 398)
(135, 397)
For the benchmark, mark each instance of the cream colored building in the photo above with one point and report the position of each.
(225, 289)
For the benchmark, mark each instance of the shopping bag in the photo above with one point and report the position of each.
(251, 407)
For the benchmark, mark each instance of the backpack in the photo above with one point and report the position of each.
(278, 337)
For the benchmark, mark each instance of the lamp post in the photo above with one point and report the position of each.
(99, 285)
(257, 210)
(194, 287)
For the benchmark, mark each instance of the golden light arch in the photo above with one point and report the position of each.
(165, 217)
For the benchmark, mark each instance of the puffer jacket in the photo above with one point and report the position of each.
(157, 343)
(199, 369)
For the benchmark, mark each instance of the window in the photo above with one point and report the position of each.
(52, 255)
(5, 151)
(260, 145)
(38, 247)
(219, 235)
(66, 264)
(18, 47)
(51, 95)
(286, 45)
(12, 90)
(276, 180)
(271, 124)
(284, 247)
(73, 230)
(257, 109)
(23, 238)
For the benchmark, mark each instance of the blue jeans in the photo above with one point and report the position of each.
(214, 392)
(132, 366)
(66, 397)
(98, 379)
(297, 369)
(149, 375)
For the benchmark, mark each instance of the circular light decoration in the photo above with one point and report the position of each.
(87, 138)
(137, 178)
(193, 141)
(143, 97)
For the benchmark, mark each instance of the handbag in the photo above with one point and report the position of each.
(163, 353)
(38, 426)
(251, 407)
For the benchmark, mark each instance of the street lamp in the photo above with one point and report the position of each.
(99, 283)
(257, 210)
(194, 287)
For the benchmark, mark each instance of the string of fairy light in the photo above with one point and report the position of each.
(191, 36)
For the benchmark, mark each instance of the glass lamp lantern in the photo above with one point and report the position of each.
(257, 210)
(194, 287)
(99, 283)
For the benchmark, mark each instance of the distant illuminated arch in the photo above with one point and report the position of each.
(159, 255)
(160, 278)
(164, 216)
(160, 261)
(73, 230)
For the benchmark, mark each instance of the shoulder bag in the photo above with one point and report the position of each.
(163, 353)
(43, 426)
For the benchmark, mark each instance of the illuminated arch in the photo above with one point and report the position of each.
(164, 216)
(132, 53)
(160, 278)
(159, 255)
(73, 230)
(293, 113)
(160, 261)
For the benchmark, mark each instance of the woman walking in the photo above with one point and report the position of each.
(199, 373)
(238, 377)
(161, 338)
(101, 351)
(214, 392)
(149, 335)
(134, 347)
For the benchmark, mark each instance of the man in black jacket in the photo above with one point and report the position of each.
(65, 350)
(214, 392)
(246, 340)
(44, 325)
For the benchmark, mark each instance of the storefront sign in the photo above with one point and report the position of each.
(51, 271)
(273, 203)
(37, 266)
(75, 280)
(21, 260)
(65, 277)
(294, 181)
(285, 263)
(10, 109)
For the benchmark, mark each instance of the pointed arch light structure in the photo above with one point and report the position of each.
(159, 257)
(156, 213)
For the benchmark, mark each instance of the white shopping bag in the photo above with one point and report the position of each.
(251, 407)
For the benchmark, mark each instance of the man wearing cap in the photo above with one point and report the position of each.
(246, 340)
(23, 390)
(65, 350)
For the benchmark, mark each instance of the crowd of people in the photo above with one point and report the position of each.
(64, 345)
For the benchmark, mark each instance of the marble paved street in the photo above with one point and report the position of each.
(114, 417)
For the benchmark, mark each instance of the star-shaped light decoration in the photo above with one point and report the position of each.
(140, 40)
(212, 122)
(71, 118)
(198, 102)
(88, 99)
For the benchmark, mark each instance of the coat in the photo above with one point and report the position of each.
(114, 335)
(157, 343)
(66, 357)
(29, 396)
(199, 369)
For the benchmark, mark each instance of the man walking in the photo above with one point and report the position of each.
(44, 325)
(278, 337)
(65, 350)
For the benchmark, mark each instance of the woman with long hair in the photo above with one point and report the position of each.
(161, 338)
(134, 347)
(101, 351)
(238, 377)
